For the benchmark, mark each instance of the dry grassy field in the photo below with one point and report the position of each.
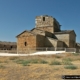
(50, 67)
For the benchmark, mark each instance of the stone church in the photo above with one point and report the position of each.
(47, 33)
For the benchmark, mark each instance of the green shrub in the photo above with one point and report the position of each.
(67, 63)
(43, 62)
(55, 63)
(67, 59)
(34, 61)
(23, 62)
(19, 61)
(70, 67)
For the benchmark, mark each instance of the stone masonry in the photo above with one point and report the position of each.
(47, 33)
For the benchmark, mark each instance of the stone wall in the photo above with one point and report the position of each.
(48, 28)
(48, 34)
(47, 23)
(44, 21)
(26, 42)
(64, 38)
(8, 45)
(50, 42)
(40, 41)
(41, 32)
(72, 39)
(60, 44)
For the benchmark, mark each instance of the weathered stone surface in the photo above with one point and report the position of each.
(47, 23)
(50, 42)
(64, 38)
(46, 34)
(69, 39)
(30, 43)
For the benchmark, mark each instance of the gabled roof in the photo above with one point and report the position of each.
(25, 31)
(37, 29)
(65, 32)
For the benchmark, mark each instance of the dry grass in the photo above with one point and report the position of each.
(38, 67)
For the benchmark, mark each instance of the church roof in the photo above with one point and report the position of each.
(65, 32)
(26, 31)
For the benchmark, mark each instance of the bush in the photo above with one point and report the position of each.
(34, 61)
(43, 62)
(23, 62)
(19, 61)
(67, 61)
(70, 67)
(55, 63)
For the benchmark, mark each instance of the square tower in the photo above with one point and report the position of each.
(47, 23)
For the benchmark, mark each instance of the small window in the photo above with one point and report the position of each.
(43, 18)
(11, 47)
(25, 43)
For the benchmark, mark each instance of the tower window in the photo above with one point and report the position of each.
(25, 43)
(43, 18)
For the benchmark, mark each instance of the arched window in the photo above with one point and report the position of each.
(25, 43)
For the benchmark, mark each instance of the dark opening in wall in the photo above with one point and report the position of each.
(11, 47)
(25, 43)
(4, 46)
(43, 18)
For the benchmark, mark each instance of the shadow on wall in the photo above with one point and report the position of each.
(64, 45)
(48, 43)
(54, 37)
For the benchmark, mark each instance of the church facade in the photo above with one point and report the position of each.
(47, 33)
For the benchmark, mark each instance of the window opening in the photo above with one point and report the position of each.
(43, 18)
(25, 43)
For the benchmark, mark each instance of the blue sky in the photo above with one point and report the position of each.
(19, 15)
